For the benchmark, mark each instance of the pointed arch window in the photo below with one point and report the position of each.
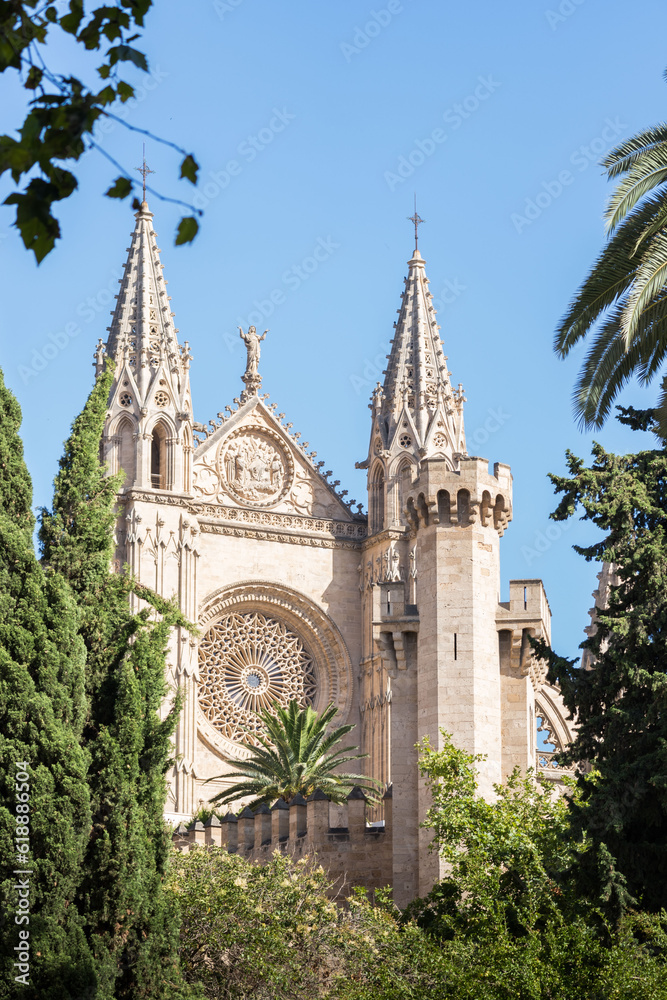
(377, 491)
(403, 489)
(126, 459)
(159, 457)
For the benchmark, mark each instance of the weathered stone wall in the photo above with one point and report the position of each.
(353, 853)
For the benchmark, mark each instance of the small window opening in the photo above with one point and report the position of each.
(525, 598)
(455, 647)
(156, 472)
(158, 458)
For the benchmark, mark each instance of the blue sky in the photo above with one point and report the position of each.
(314, 123)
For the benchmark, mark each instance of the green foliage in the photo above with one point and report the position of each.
(188, 228)
(509, 921)
(296, 755)
(621, 704)
(60, 123)
(120, 893)
(505, 857)
(42, 711)
(624, 292)
(273, 932)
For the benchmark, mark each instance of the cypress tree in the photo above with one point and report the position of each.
(621, 703)
(121, 896)
(42, 712)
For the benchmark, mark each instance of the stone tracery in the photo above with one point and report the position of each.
(249, 661)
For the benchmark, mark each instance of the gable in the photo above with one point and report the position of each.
(251, 461)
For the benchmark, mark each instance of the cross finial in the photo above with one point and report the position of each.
(416, 220)
(144, 171)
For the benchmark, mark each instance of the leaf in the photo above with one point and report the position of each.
(120, 188)
(189, 168)
(70, 22)
(34, 78)
(125, 53)
(188, 228)
(124, 90)
(106, 96)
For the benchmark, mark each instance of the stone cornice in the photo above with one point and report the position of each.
(297, 528)
(208, 527)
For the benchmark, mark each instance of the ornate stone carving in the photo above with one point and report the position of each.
(391, 558)
(247, 662)
(302, 629)
(301, 496)
(206, 481)
(254, 468)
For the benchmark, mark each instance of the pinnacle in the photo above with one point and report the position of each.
(142, 335)
(417, 393)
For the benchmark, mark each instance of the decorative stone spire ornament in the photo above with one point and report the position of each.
(417, 410)
(151, 387)
(251, 377)
(417, 415)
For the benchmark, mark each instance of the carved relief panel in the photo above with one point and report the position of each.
(254, 468)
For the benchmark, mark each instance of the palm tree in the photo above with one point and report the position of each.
(627, 287)
(296, 755)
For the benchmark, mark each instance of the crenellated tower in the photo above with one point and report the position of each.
(431, 585)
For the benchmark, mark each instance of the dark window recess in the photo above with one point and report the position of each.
(156, 471)
(455, 647)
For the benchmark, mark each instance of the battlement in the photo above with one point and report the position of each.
(343, 842)
(469, 495)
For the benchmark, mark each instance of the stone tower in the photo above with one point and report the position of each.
(149, 435)
(431, 587)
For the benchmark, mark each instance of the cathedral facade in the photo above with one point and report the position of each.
(394, 617)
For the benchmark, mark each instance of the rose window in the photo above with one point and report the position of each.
(125, 399)
(247, 663)
(161, 398)
(405, 440)
(439, 440)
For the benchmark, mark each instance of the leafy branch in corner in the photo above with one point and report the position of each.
(62, 112)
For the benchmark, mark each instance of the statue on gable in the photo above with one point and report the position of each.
(252, 342)
(251, 376)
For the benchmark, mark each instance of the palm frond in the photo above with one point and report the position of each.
(657, 223)
(622, 157)
(648, 174)
(610, 277)
(661, 411)
(649, 282)
(607, 367)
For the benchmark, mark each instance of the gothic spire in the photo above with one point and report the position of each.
(417, 385)
(142, 337)
(148, 431)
